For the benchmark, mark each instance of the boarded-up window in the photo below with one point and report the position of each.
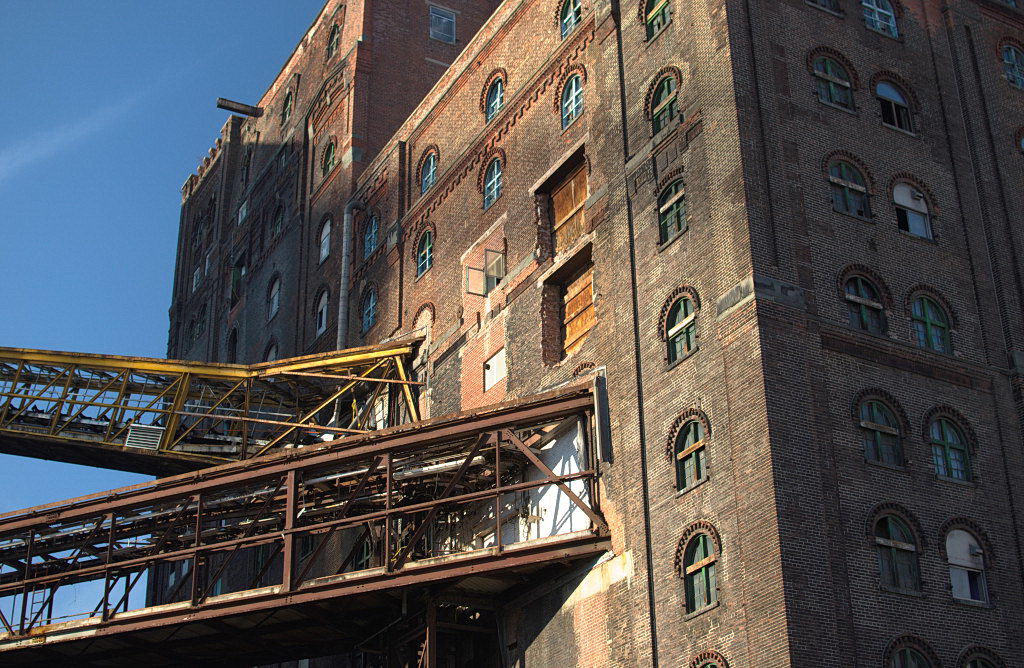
(579, 310)
(567, 203)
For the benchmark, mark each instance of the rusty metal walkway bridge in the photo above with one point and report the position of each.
(400, 543)
(163, 417)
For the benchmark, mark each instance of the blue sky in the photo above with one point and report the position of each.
(108, 106)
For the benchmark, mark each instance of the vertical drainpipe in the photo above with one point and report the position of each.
(616, 10)
(341, 342)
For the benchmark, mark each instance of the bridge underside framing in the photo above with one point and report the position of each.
(163, 417)
(399, 543)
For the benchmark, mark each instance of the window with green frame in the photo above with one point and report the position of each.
(681, 329)
(864, 305)
(691, 465)
(897, 554)
(699, 576)
(664, 104)
(657, 15)
(424, 253)
(949, 450)
(907, 657)
(572, 14)
(834, 85)
(672, 211)
(931, 325)
(327, 164)
(980, 663)
(849, 189)
(881, 430)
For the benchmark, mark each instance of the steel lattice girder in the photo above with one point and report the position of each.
(168, 416)
(436, 501)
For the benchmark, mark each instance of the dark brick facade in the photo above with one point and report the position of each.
(778, 372)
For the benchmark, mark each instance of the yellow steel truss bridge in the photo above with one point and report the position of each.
(163, 417)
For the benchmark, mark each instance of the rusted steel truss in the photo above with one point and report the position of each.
(167, 416)
(502, 487)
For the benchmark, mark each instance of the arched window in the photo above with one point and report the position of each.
(897, 554)
(912, 213)
(1013, 65)
(834, 85)
(849, 189)
(699, 575)
(327, 164)
(495, 98)
(286, 107)
(572, 100)
(325, 240)
(370, 231)
(880, 16)
(881, 432)
(691, 466)
(949, 450)
(333, 41)
(657, 15)
(908, 657)
(931, 325)
(894, 106)
(428, 172)
(664, 106)
(278, 222)
(424, 253)
(274, 298)
(966, 567)
(271, 353)
(572, 14)
(369, 309)
(864, 305)
(321, 312)
(681, 329)
(492, 183)
(672, 211)
(979, 662)
(201, 322)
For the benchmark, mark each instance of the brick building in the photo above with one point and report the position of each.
(780, 231)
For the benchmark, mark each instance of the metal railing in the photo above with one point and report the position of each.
(165, 416)
(434, 500)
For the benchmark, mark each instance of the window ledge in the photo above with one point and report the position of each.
(957, 481)
(888, 35)
(671, 240)
(832, 105)
(834, 12)
(884, 336)
(862, 219)
(984, 605)
(425, 272)
(663, 135)
(671, 365)
(883, 465)
(650, 40)
(683, 492)
(917, 237)
(698, 613)
(896, 128)
(573, 123)
(913, 593)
